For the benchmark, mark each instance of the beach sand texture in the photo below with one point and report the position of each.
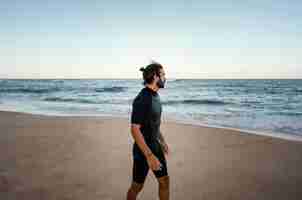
(58, 157)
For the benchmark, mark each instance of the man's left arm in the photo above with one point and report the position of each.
(163, 142)
(161, 137)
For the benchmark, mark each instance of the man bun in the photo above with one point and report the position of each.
(142, 69)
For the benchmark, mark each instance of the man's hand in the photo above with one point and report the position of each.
(153, 162)
(166, 149)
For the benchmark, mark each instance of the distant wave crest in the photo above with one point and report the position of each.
(111, 89)
(28, 90)
(288, 129)
(287, 113)
(196, 102)
(298, 90)
(85, 101)
(76, 100)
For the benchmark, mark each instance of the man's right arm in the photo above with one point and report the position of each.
(152, 160)
(139, 139)
(140, 108)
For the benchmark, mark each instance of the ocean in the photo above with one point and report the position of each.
(266, 105)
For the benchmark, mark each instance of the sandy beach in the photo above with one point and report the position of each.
(58, 157)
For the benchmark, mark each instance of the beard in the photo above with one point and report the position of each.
(160, 83)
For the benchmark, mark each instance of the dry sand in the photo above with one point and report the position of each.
(51, 157)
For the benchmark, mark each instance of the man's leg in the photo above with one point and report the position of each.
(163, 178)
(164, 187)
(139, 172)
(134, 189)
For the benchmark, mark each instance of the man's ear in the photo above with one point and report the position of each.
(155, 77)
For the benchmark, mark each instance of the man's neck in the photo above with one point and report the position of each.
(152, 87)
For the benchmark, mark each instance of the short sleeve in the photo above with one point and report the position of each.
(139, 110)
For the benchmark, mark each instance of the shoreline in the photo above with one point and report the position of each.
(284, 136)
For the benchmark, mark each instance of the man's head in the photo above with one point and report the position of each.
(154, 75)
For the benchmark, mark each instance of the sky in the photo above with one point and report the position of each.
(113, 39)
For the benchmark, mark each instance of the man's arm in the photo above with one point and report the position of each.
(163, 143)
(139, 139)
(161, 138)
(152, 160)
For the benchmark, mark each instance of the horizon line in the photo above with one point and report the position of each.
(142, 79)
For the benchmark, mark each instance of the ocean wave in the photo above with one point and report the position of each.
(111, 89)
(85, 101)
(298, 90)
(76, 100)
(179, 80)
(28, 90)
(196, 102)
(286, 113)
(288, 129)
(272, 90)
(250, 102)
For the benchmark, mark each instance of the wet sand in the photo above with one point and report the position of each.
(58, 157)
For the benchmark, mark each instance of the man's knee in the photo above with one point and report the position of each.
(137, 187)
(164, 182)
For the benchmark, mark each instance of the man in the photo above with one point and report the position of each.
(150, 148)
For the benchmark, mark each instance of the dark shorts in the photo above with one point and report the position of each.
(141, 168)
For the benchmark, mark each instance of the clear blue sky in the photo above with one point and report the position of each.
(112, 39)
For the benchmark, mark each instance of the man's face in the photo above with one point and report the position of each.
(162, 75)
(161, 79)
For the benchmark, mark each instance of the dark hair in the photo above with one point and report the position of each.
(149, 71)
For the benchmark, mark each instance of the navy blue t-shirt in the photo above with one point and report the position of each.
(146, 111)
